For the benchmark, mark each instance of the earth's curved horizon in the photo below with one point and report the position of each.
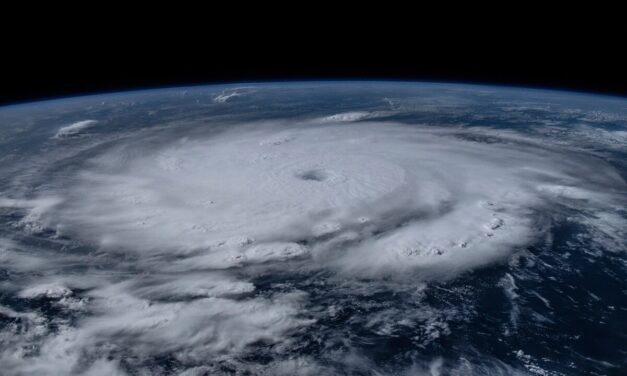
(304, 228)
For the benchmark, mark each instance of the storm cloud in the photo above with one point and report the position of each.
(180, 230)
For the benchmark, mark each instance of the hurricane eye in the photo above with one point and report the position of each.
(312, 175)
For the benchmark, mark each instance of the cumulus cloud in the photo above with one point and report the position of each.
(74, 128)
(192, 329)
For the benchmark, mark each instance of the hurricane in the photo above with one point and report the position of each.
(301, 229)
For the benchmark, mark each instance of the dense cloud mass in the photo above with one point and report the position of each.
(257, 193)
(169, 242)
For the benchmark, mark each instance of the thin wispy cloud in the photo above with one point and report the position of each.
(74, 128)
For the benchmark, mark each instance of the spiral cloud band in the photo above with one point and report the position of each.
(366, 198)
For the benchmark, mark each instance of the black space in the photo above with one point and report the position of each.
(85, 58)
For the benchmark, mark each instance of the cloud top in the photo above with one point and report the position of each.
(74, 128)
(434, 199)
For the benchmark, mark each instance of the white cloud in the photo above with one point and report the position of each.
(346, 117)
(74, 128)
(45, 290)
(194, 329)
(453, 204)
(227, 94)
